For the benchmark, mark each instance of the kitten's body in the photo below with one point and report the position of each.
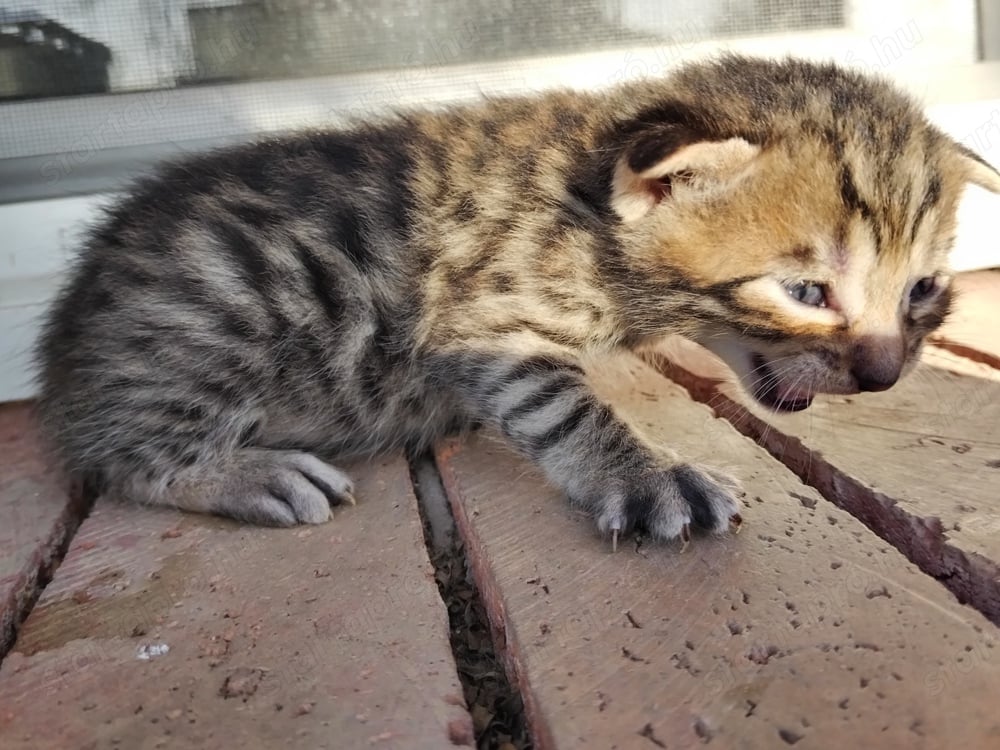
(343, 293)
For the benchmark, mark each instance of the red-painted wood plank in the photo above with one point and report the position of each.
(163, 629)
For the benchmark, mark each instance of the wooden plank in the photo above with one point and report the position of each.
(945, 359)
(973, 328)
(38, 515)
(918, 464)
(166, 629)
(805, 629)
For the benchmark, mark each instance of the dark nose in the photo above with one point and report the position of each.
(878, 363)
(873, 382)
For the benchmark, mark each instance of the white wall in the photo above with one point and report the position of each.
(37, 240)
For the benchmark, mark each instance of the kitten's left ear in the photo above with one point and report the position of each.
(977, 170)
(655, 163)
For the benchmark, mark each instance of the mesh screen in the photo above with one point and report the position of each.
(70, 48)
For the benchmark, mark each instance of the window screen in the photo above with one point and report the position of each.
(196, 60)
(65, 47)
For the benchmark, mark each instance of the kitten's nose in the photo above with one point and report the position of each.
(873, 381)
(878, 363)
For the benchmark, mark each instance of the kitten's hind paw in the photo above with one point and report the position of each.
(300, 483)
(264, 487)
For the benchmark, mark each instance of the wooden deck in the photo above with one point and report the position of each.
(858, 606)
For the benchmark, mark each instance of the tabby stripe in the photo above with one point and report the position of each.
(854, 202)
(178, 410)
(244, 249)
(134, 275)
(526, 368)
(255, 215)
(189, 294)
(559, 432)
(764, 333)
(348, 235)
(321, 282)
(561, 338)
(382, 356)
(470, 374)
(723, 291)
(930, 199)
(753, 329)
(257, 272)
(547, 393)
(221, 389)
(226, 317)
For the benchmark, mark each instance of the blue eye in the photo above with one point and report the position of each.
(808, 293)
(923, 289)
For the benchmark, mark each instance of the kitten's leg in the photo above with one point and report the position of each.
(261, 486)
(545, 408)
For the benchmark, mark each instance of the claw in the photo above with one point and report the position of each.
(616, 528)
(736, 522)
(685, 536)
(349, 499)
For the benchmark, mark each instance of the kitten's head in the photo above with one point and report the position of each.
(798, 219)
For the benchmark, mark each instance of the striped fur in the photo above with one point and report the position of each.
(246, 315)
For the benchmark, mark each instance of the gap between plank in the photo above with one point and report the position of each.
(971, 353)
(50, 556)
(496, 707)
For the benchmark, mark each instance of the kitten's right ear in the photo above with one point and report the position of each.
(977, 170)
(664, 158)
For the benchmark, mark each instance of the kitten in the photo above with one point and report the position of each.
(247, 314)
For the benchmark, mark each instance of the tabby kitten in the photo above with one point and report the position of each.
(247, 314)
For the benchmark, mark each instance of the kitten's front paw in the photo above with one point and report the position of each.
(666, 502)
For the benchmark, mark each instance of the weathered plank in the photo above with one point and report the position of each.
(805, 629)
(170, 630)
(972, 330)
(919, 464)
(38, 514)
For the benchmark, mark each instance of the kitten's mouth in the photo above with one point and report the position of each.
(771, 392)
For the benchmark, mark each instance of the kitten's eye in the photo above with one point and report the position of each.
(808, 293)
(923, 289)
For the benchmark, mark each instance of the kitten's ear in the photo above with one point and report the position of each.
(663, 158)
(977, 170)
